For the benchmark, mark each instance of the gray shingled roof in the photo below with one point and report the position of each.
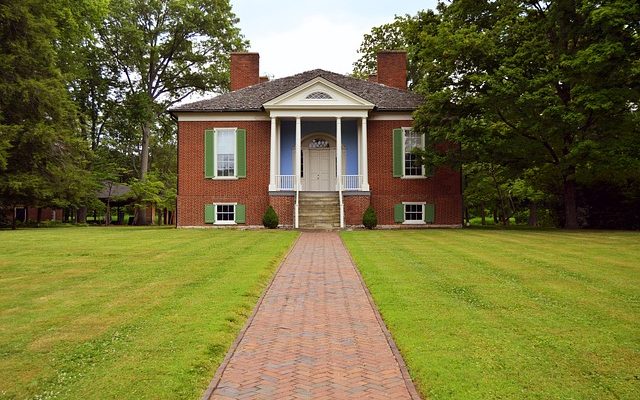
(253, 97)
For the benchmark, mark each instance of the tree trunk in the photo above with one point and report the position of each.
(81, 215)
(13, 220)
(141, 212)
(495, 216)
(483, 214)
(570, 206)
(533, 214)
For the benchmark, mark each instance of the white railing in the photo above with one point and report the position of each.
(351, 182)
(285, 182)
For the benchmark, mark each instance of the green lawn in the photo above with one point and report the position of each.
(494, 314)
(144, 313)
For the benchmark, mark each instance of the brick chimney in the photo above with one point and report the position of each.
(392, 68)
(244, 70)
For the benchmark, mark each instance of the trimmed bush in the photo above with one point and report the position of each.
(270, 218)
(369, 218)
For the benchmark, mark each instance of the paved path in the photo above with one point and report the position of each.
(315, 335)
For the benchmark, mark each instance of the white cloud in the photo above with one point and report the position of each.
(315, 41)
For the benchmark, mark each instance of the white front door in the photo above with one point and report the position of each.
(319, 169)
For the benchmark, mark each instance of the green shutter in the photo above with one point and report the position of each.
(209, 213)
(429, 213)
(208, 153)
(241, 214)
(241, 150)
(398, 212)
(398, 153)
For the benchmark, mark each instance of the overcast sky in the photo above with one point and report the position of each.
(296, 36)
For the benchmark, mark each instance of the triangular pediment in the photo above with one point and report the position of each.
(318, 94)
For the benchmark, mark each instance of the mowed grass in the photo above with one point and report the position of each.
(488, 314)
(125, 313)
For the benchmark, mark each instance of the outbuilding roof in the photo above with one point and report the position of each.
(252, 98)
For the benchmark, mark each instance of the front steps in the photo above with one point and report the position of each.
(319, 210)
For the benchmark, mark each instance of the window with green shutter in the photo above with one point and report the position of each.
(414, 213)
(225, 214)
(405, 140)
(225, 153)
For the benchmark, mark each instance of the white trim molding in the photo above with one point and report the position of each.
(221, 116)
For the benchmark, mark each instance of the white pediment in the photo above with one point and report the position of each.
(318, 94)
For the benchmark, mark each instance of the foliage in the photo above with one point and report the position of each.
(369, 218)
(534, 85)
(546, 93)
(161, 52)
(127, 310)
(270, 218)
(485, 313)
(41, 156)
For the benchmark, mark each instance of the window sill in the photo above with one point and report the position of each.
(414, 177)
(224, 178)
(414, 222)
(225, 223)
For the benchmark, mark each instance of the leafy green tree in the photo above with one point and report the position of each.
(166, 50)
(556, 82)
(41, 157)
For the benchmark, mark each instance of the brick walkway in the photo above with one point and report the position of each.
(315, 335)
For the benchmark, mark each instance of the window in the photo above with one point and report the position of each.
(319, 96)
(225, 213)
(225, 153)
(413, 212)
(225, 147)
(412, 140)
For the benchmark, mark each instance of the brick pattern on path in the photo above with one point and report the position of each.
(315, 335)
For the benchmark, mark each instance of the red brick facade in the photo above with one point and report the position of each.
(194, 191)
(392, 69)
(245, 70)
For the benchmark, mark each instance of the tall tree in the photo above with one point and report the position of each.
(557, 83)
(165, 50)
(42, 159)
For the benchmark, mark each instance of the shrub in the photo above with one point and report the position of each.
(270, 218)
(369, 219)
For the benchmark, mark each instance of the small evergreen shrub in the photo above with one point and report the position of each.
(270, 218)
(369, 218)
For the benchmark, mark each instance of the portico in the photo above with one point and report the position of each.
(318, 139)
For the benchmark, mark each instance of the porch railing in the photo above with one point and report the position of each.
(351, 182)
(285, 182)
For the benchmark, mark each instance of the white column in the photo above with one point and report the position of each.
(363, 155)
(273, 158)
(298, 169)
(296, 216)
(338, 153)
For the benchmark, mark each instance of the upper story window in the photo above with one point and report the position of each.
(225, 148)
(411, 141)
(319, 96)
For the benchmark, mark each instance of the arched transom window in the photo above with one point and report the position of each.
(318, 96)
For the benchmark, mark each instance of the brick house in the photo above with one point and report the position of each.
(318, 146)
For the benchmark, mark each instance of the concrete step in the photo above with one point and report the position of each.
(319, 210)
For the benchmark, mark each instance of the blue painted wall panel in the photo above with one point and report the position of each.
(288, 141)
